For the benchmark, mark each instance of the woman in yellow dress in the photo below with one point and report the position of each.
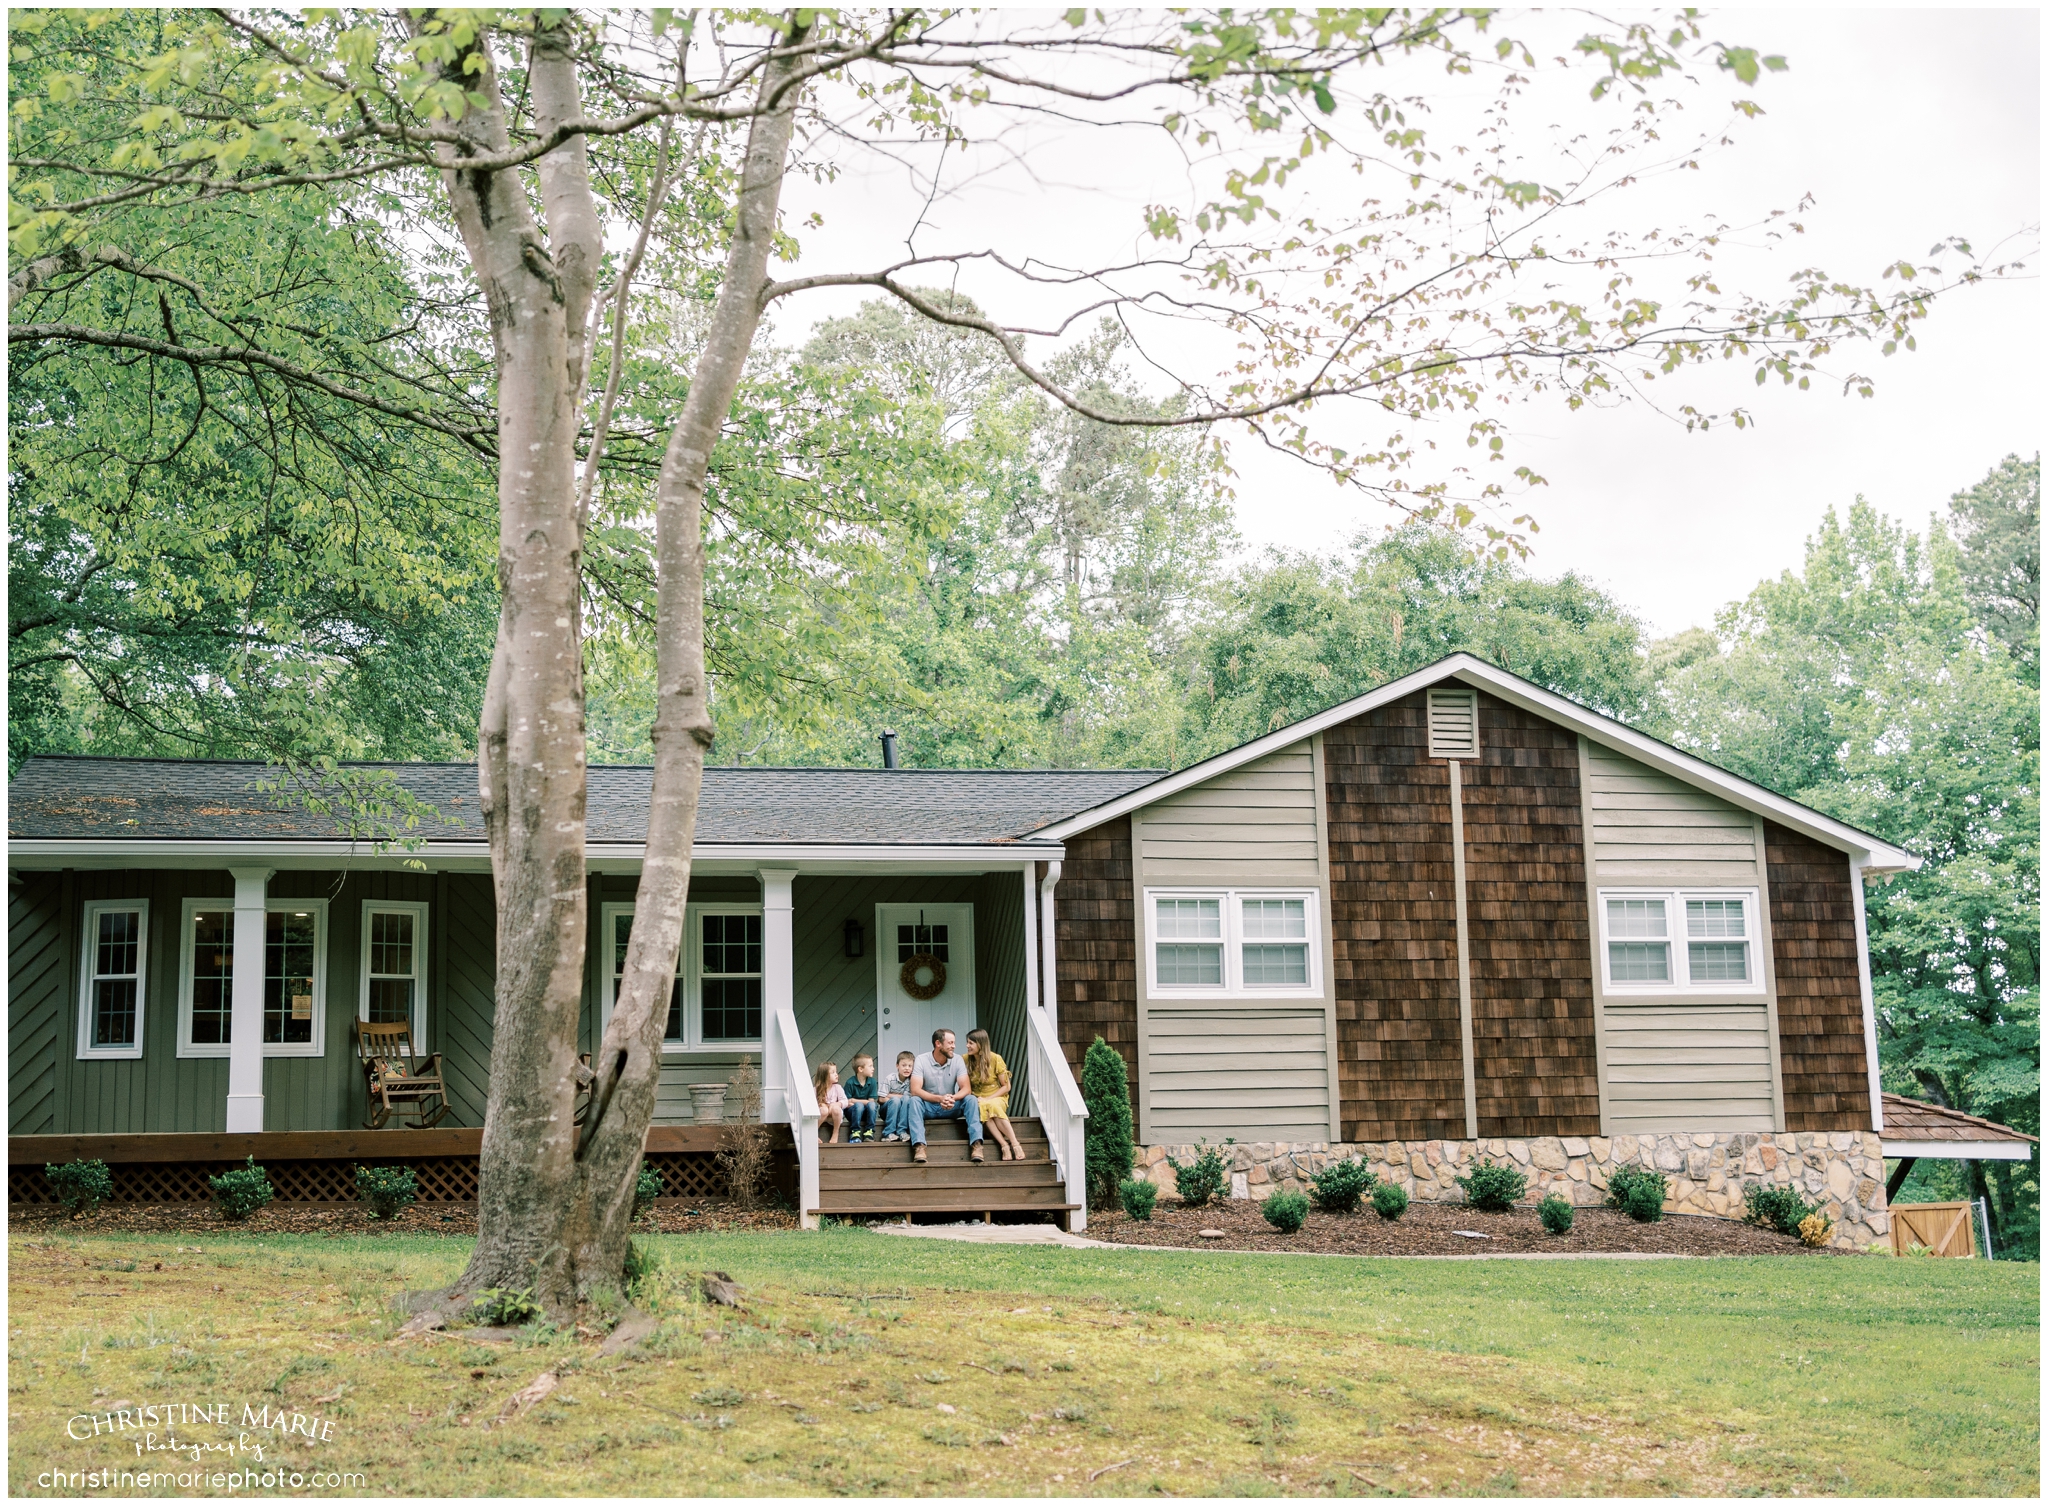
(988, 1078)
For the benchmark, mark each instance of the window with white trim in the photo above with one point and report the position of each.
(715, 1004)
(294, 978)
(1231, 942)
(1679, 941)
(394, 969)
(110, 1006)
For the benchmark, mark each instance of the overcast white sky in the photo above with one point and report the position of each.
(1904, 126)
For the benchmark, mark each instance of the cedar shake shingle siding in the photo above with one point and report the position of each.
(1531, 934)
(1096, 929)
(1820, 998)
(1394, 929)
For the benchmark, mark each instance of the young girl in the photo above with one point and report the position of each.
(988, 1075)
(860, 1100)
(831, 1099)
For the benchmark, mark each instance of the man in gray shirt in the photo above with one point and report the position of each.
(938, 1090)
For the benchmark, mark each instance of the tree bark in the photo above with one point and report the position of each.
(628, 1062)
(530, 750)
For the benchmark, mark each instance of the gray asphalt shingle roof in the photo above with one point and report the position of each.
(199, 799)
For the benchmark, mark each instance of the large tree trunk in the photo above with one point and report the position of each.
(530, 753)
(628, 1063)
(555, 1208)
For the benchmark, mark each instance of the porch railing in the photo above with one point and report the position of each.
(802, 1100)
(1057, 1098)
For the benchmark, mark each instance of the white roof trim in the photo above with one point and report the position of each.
(1896, 1149)
(130, 852)
(1878, 857)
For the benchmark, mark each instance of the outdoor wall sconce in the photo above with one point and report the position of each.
(853, 938)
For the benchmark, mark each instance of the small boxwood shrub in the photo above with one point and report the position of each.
(646, 1188)
(1286, 1211)
(1638, 1192)
(1493, 1187)
(1780, 1209)
(1390, 1200)
(1342, 1185)
(1201, 1179)
(80, 1186)
(389, 1190)
(1138, 1198)
(1556, 1214)
(241, 1192)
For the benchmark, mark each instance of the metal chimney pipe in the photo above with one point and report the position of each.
(888, 749)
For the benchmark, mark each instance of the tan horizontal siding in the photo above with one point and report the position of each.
(1251, 1071)
(1683, 1067)
(1649, 827)
(1256, 823)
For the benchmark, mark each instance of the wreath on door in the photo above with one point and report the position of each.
(935, 971)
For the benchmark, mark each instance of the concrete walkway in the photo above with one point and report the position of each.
(1045, 1234)
(979, 1233)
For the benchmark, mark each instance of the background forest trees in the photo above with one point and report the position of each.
(903, 534)
(254, 516)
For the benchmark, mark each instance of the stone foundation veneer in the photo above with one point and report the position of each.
(1843, 1170)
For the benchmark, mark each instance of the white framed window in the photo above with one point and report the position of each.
(1662, 941)
(394, 970)
(716, 1002)
(1232, 942)
(294, 977)
(114, 941)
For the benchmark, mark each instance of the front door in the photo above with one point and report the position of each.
(924, 977)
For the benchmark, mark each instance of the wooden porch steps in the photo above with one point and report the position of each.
(880, 1180)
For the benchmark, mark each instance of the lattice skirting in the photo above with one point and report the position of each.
(441, 1179)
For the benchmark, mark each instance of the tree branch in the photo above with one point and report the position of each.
(472, 434)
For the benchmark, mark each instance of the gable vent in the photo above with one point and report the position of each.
(1453, 724)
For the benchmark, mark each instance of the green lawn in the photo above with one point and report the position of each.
(1153, 1372)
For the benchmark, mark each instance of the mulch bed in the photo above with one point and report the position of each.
(1429, 1229)
(679, 1216)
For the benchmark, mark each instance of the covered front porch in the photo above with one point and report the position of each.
(854, 961)
(250, 986)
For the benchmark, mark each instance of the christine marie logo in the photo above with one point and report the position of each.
(154, 1428)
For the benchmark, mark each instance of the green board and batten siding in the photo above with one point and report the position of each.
(37, 965)
(56, 1093)
(1696, 1064)
(1255, 1069)
(53, 1092)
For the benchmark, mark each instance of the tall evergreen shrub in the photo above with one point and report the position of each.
(1106, 1089)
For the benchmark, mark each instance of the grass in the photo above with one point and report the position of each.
(1068, 1372)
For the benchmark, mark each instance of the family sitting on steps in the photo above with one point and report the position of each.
(937, 1085)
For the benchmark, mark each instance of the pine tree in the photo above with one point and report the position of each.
(1105, 1088)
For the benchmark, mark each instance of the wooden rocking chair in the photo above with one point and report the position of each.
(399, 1078)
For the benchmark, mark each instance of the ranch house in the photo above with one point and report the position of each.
(1457, 916)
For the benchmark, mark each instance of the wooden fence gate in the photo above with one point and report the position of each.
(1943, 1228)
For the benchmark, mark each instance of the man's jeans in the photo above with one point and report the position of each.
(860, 1114)
(896, 1115)
(969, 1107)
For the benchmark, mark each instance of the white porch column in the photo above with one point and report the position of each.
(1863, 984)
(245, 1030)
(1031, 959)
(778, 990)
(1048, 949)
